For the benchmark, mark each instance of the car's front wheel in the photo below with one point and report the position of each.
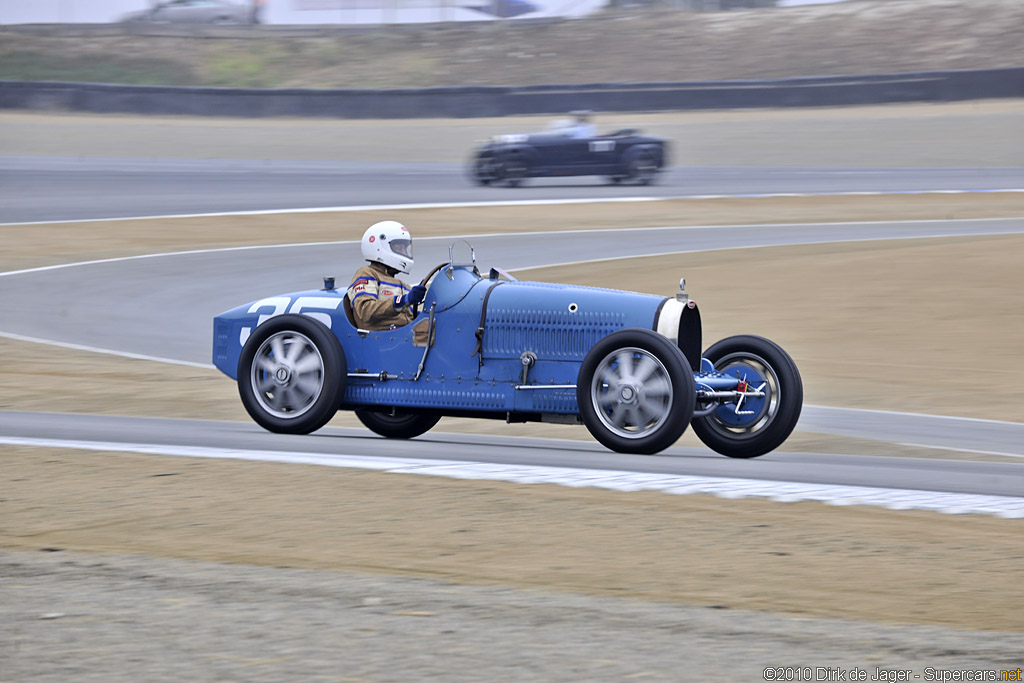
(635, 392)
(396, 424)
(755, 426)
(511, 169)
(292, 374)
(482, 169)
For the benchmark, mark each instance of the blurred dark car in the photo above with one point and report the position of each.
(505, 9)
(196, 12)
(622, 156)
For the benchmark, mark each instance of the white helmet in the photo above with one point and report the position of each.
(390, 243)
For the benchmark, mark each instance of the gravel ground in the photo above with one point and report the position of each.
(87, 618)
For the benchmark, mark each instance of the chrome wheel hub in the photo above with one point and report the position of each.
(632, 392)
(282, 375)
(747, 418)
(287, 374)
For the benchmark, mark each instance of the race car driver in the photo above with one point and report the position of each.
(582, 128)
(380, 301)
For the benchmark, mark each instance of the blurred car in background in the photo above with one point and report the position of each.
(196, 12)
(622, 156)
(505, 9)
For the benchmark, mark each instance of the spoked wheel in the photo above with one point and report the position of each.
(758, 425)
(642, 169)
(512, 170)
(396, 424)
(292, 374)
(482, 170)
(635, 392)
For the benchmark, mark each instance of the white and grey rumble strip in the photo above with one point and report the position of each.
(722, 487)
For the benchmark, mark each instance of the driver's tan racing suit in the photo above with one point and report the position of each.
(373, 295)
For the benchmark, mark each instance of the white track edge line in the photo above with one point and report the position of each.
(766, 226)
(956, 449)
(109, 352)
(521, 202)
(1008, 507)
(769, 246)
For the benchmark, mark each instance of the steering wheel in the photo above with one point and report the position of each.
(425, 282)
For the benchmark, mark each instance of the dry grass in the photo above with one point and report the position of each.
(798, 558)
(860, 36)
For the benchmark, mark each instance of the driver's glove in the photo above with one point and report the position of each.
(414, 296)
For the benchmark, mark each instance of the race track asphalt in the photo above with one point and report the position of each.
(93, 187)
(160, 306)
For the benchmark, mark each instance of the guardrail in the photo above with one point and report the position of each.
(478, 101)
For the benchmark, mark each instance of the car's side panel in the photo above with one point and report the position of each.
(555, 401)
(451, 378)
(232, 328)
(554, 326)
(518, 156)
(559, 322)
(552, 155)
(430, 393)
(476, 360)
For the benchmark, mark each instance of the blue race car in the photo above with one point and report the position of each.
(626, 365)
(622, 156)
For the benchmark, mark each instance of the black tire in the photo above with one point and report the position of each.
(481, 170)
(398, 425)
(619, 403)
(779, 413)
(511, 169)
(641, 168)
(292, 374)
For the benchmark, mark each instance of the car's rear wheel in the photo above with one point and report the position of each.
(397, 424)
(759, 425)
(642, 168)
(635, 392)
(292, 374)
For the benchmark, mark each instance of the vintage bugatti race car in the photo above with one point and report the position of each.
(626, 365)
(624, 155)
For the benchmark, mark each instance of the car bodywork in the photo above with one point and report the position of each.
(196, 12)
(491, 346)
(621, 156)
